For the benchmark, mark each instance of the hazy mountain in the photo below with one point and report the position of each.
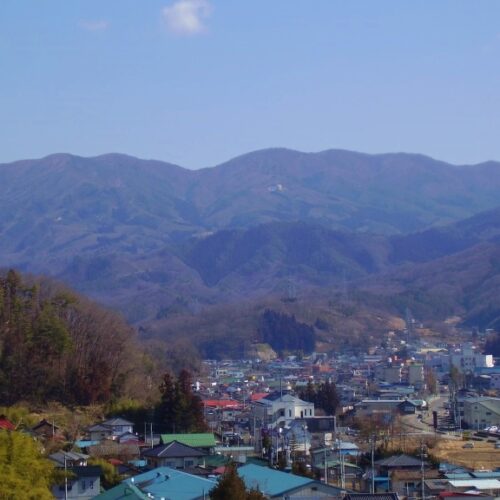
(154, 239)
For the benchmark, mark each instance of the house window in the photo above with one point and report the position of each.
(289, 413)
(188, 463)
(83, 484)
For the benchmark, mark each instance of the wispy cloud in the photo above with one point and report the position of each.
(187, 17)
(94, 25)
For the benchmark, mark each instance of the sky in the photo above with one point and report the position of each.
(196, 82)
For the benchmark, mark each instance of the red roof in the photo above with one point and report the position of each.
(221, 403)
(6, 424)
(258, 395)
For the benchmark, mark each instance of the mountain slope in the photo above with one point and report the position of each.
(151, 238)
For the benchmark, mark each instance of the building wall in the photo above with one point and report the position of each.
(478, 416)
(81, 489)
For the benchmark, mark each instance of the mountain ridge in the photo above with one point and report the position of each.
(135, 233)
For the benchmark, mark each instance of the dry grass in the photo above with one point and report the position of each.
(482, 456)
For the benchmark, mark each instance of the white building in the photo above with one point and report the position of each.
(277, 410)
(467, 359)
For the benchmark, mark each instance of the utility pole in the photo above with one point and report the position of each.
(65, 479)
(326, 467)
(373, 463)
(422, 465)
(342, 468)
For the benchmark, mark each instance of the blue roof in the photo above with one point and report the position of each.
(270, 481)
(86, 444)
(163, 482)
(464, 475)
(486, 475)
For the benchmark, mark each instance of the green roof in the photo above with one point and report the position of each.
(199, 440)
(122, 491)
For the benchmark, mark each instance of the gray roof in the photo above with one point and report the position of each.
(399, 461)
(116, 421)
(71, 456)
(173, 450)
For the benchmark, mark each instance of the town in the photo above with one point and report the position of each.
(410, 418)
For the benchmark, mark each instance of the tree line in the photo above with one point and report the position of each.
(285, 334)
(56, 345)
(323, 395)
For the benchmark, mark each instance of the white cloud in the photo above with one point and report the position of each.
(94, 25)
(187, 17)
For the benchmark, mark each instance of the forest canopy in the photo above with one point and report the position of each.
(57, 345)
(285, 334)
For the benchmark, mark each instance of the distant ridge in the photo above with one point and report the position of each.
(150, 237)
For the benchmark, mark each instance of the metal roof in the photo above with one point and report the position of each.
(197, 440)
(271, 482)
(162, 482)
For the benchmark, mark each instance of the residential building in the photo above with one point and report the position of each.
(162, 482)
(83, 483)
(467, 359)
(479, 412)
(275, 484)
(276, 410)
(110, 429)
(174, 455)
(204, 441)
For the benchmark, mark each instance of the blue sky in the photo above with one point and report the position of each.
(196, 82)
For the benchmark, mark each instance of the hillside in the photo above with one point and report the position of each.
(156, 241)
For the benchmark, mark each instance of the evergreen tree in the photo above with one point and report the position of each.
(231, 487)
(179, 409)
(323, 396)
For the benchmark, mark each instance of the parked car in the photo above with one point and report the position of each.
(468, 445)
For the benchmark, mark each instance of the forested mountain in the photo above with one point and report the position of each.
(161, 243)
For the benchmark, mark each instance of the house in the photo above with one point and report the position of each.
(83, 483)
(110, 429)
(204, 441)
(69, 459)
(281, 485)
(395, 466)
(162, 482)
(337, 469)
(47, 430)
(279, 410)
(297, 436)
(174, 455)
(409, 482)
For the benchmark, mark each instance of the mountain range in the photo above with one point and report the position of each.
(157, 241)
